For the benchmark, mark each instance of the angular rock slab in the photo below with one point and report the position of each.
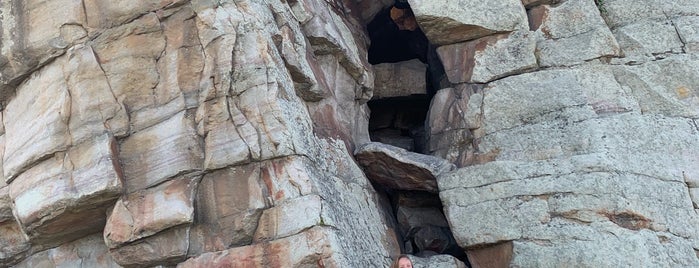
(489, 58)
(147, 212)
(451, 22)
(399, 79)
(289, 218)
(396, 168)
(66, 196)
(571, 33)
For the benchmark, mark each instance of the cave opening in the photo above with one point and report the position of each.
(408, 73)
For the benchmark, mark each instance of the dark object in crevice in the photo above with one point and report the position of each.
(399, 121)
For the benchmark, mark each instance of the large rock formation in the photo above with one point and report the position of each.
(201, 133)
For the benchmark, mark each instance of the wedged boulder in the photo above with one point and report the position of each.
(571, 33)
(489, 58)
(66, 196)
(400, 79)
(144, 213)
(88, 251)
(452, 22)
(396, 168)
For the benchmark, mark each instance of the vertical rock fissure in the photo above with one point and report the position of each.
(408, 73)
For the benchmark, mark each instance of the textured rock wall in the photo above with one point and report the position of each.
(192, 133)
(575, 127)
(214, 133)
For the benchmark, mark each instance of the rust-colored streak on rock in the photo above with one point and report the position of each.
(629, 220)
(493, 256)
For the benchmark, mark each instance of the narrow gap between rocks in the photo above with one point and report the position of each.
(408, 74)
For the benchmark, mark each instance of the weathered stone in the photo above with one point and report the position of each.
(431, 239)
(85, 252)
(76, 105)
(32, 36)
(694, 195)
(144, 213)
(229, 204)
(571, 33)
(223, 144)
(689, 32)
(452, 22)
(13, 243)
(454, 113)
(624, 12)
(289, 218)
(329, 33)
(531, 3)
(5, 204)
(155, 154)
(489, 58)
(499, 255)
(165, 248)
(313, 247)
(45, 129)
(106, 14)
(436, 261)
(66, 196)
(412, 218)
(643, 40)
(400, 79)
(396, 168)
(667, 87)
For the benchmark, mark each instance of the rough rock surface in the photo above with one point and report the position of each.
(413, 74)
(196, 133)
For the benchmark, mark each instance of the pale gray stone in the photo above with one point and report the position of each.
(489, 58)
(452, 22)
(688, 29)
(571, 33)
(643, 40)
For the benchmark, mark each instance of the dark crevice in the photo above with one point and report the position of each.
(398, 118)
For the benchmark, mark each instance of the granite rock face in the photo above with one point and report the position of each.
(235, 133)
(147, 133)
